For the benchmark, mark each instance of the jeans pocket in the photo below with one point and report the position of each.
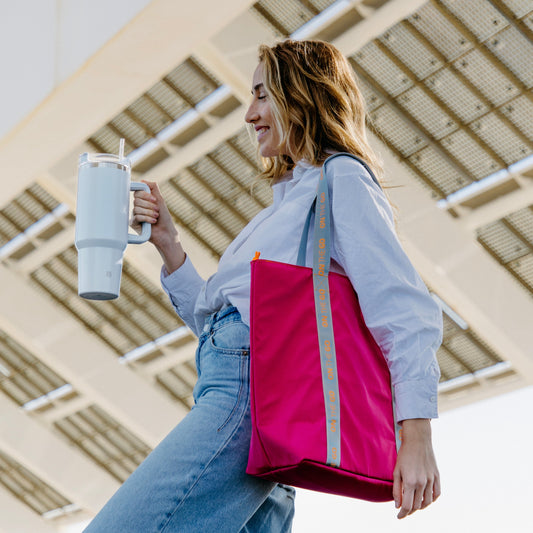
(231, 339)
(241, 398)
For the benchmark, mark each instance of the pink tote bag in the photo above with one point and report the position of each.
(322, 407)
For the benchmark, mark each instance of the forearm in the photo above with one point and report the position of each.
(172, 253)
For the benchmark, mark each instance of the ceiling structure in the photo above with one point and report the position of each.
(448, 85)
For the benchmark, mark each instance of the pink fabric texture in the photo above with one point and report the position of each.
(288, 443)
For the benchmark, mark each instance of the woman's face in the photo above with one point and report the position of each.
(260, 115)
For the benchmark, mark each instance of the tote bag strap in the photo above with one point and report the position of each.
(305, 233)
(326, 340)
(321, 207)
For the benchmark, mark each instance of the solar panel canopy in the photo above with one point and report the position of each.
(448, 89)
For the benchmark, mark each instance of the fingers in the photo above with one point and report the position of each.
(145, 213)
(153, 201)
(397, 489)
(144, 216)
(418, 498)
(411, 499)
(150, 207)
(414, 497)
(145, 205)
(144, 199)
(145, 209)
(407, 503)
(428, 496)
(410, 495)
(154, 190)
(436, 487)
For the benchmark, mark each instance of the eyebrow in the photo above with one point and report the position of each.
(257, 87)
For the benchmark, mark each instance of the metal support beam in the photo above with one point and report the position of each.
(196, 148)
(374, 25)
(85, 362)
(51, 459)
(19, 518)
(225, 70)
(498, 208)
(151, 45)
(239, 81)
(480, 389)
(171, 359)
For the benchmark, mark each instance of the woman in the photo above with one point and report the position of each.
(305, 106)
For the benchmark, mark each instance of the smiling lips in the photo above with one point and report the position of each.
(261, 130)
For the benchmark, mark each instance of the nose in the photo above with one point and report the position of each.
(251, 115)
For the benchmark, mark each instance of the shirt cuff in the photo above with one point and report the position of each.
(416, 399)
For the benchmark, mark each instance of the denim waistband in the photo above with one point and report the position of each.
(218, 319)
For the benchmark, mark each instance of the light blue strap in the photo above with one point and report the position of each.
(328, 356)
(302, 250)
(321, 264)
(305, 233)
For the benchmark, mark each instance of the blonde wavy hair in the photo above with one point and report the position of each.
(316, 104)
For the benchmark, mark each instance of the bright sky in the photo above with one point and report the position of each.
(485, 457)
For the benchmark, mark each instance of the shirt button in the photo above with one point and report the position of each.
(433, 399)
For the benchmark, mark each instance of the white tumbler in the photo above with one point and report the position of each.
(102, 220)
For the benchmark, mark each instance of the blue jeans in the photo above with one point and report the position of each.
(195, 479)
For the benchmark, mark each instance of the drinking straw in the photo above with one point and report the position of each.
(121, 149)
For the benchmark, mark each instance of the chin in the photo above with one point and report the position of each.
(267, 151)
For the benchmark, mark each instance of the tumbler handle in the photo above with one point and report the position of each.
(146, 226)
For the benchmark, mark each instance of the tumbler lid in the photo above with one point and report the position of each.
(104, 160)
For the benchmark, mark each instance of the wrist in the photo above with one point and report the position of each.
(416, 427)
(172, 254)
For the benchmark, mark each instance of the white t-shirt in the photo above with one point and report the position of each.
(401, 315)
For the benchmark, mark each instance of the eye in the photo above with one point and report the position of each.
(262, 97)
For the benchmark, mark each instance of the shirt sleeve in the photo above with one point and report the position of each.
(403, 318)
(183, 287)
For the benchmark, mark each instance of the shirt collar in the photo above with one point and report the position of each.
(300, 169)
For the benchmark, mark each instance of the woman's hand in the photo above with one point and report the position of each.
(150, 207)
(416, 477)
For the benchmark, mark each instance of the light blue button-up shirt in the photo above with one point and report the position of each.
(401, 315)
